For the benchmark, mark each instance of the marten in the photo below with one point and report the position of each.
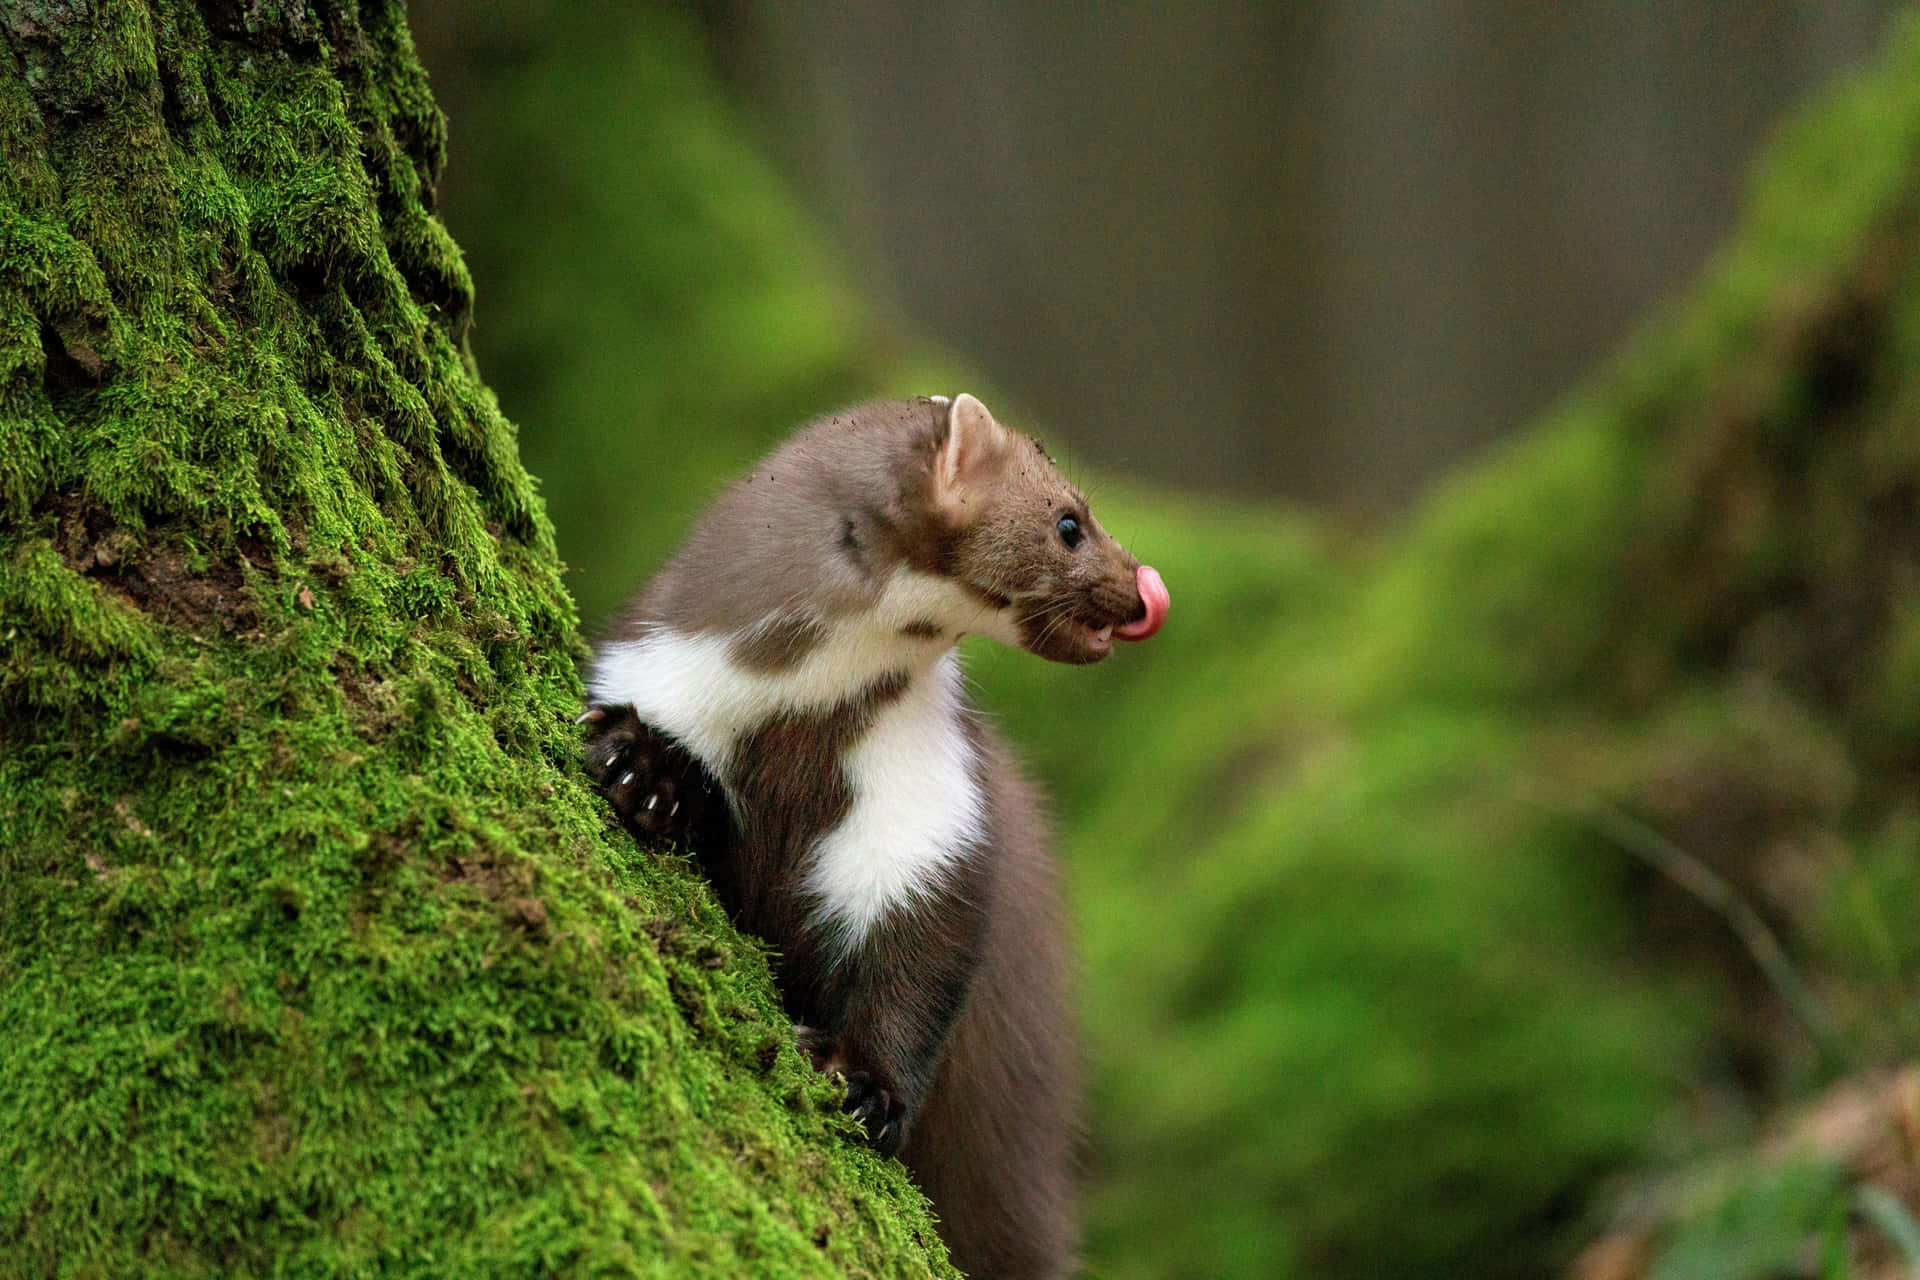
(785, 698)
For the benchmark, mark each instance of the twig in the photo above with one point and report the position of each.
(1712, 889)
(1878, 1206)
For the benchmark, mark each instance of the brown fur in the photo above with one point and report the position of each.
(779, 645)
(812, 531)
(994, 1144)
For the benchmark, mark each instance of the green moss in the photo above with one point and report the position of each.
(316, 956)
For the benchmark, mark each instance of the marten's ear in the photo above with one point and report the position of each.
(975, 443)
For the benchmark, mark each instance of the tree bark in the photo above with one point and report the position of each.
(317, 956)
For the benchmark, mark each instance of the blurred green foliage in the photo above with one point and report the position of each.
(1368, 987)
(654, 307)
(1358, 1001)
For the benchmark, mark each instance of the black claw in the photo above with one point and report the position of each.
(877, 1111)
(658, 789)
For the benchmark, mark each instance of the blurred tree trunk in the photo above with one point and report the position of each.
(1344, 247)
(316, 956)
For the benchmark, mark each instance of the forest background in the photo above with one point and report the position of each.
(1381, 970)
(1504, 864)
(1388, 862)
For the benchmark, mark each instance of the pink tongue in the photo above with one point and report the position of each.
(1154, 593)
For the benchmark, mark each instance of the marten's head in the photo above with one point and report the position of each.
(1019, 535)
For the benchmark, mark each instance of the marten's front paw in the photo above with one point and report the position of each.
(659, 791)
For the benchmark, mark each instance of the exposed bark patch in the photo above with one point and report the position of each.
(70, 366)
(273, 1131)
(166, 583)
(43, 31)
(486, 873)
(285, 25)
(528, 913)
(506, 883)
(200, 594)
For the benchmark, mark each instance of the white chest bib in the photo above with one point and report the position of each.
(917, 807)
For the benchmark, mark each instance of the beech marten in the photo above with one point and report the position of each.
(785, 697)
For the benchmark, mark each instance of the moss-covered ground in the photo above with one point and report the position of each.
(316, 955)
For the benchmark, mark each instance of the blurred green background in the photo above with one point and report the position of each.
(1504, 864)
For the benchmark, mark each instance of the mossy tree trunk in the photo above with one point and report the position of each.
(316, 955)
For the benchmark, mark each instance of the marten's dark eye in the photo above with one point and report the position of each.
(1069, 531)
